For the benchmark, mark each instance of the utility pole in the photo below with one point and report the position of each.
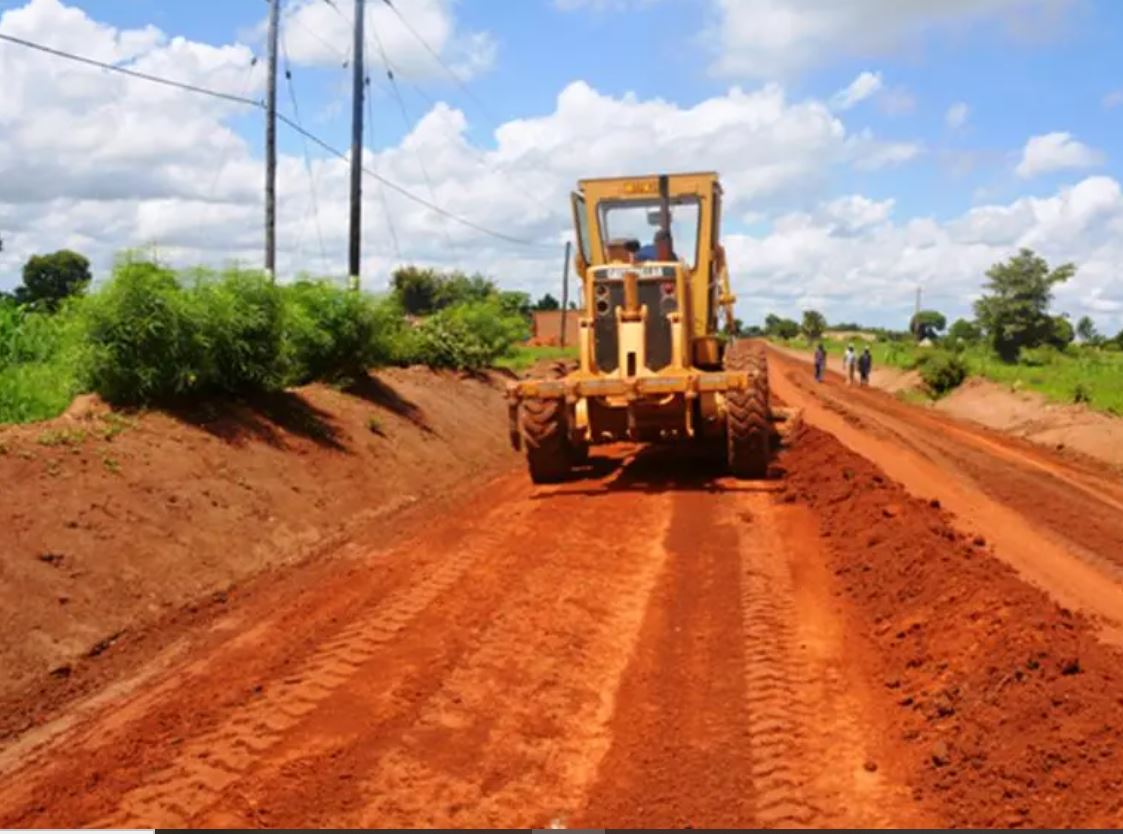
(565, 290)
(271, 145)
(358, 79)
(917, 310)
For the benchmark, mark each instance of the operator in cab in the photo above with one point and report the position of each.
(660, 249)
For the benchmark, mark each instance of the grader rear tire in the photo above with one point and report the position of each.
(747, 419)
(548, 455)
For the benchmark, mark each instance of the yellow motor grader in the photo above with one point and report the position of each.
(655, 365)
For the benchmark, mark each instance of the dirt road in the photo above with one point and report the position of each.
(649, 645)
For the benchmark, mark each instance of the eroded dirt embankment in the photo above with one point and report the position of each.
(114, 527)
(1004, 708)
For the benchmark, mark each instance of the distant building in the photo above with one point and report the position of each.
(547, 327)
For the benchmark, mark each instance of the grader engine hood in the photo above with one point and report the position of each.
(656, 301)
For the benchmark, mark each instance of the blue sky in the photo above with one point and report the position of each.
(1018, 69)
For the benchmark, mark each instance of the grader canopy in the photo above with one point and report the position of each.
(653, 366)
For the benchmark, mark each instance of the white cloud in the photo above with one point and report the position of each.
(870, 154)
(771, 38)
(865, 85)
(318, 33)
(855, 213)
(957, 115)
(603, 5)
(1113, 99)
(109, 162)
(1055, 152)
(897, 102)
(873, 275)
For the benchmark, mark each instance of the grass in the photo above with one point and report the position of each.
(521, 357)
(62, 437)
(1089, 375)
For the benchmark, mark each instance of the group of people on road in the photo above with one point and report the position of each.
(852, 363)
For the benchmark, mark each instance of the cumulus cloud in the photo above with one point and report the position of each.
(766, 38)
(109, 162)
(865, 85)
(873, 275)
(1054, 152)
(319, 34)
(957, 115)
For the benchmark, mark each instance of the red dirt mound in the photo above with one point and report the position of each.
(111, 521)
(1011, 707)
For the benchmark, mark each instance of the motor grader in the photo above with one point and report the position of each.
(654, 364)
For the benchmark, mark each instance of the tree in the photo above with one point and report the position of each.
(423, 291)
(48, 279)
(1061, 333)
(1086, 331)
(547, 302)
(416, 288)
(1014, 311)
(779, 327)
(965, 331)
(927, 324)
(514, 303)
(814, 323)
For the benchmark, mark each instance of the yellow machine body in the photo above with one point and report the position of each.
(651, 347)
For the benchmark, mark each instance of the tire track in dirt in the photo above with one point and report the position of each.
(541, 642)
(213, 761)
(739, 708)
(679, 755)
(807, 722)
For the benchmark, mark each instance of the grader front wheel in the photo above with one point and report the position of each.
(545, 434)
(748, 424)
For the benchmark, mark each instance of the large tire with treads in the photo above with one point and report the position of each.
(748, 423)
(545, 435)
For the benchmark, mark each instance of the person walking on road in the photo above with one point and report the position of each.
(820, 362)
(865, 363)
(849, 363)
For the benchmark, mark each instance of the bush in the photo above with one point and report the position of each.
(237, 323)
(466, 336)
(942, 372)
(336, 334)
(39, 359)
(143, 345)
(152, 339)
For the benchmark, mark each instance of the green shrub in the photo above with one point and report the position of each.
(466, 336)
(144, 345)
(333, 333)
(942, 372)
(237, 325)
(39, 358)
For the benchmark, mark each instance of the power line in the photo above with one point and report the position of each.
(381, 187)
(167, 82)
(260, 105)
(307, 156)
(455, 76)
(406, 121)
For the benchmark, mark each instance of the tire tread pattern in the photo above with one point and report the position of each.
(748, 414)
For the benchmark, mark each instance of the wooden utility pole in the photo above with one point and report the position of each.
(271, 145)
(358, 79)
(565, 291)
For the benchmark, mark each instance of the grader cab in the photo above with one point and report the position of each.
(654, 365)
